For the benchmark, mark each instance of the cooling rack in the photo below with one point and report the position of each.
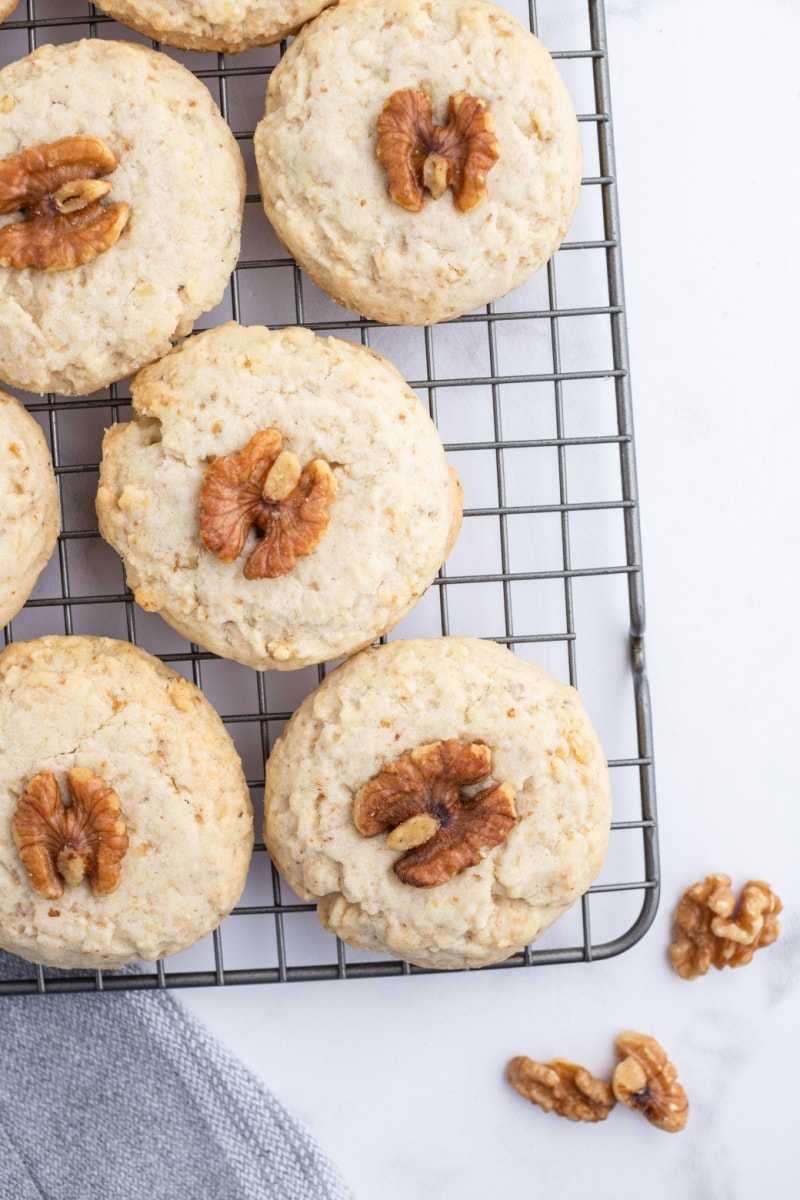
(532, 399)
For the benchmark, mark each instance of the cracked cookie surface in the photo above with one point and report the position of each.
(390, 700)
(75, 705)
(29, 512)
(326, 192)
(181, 174)
(393, 516)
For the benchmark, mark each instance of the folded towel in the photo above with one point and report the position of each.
(123, 1096)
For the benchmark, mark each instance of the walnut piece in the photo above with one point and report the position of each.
(646, 1080)
(709, 931)
(418, 154)
(418, 797)
(264, 486)
(59, 844)
(56, 186)
(562, 1087)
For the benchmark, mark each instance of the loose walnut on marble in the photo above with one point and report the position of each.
(709, 930)
(264, 486)
(645, 1080)
(418, 797)
(418, 154)
(57, 188)
(60, 844)
(562, 1087)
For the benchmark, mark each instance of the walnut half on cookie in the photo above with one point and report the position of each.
(369, 791)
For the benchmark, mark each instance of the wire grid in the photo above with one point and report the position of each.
(532, 398)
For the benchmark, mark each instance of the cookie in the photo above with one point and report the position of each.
(7, 7)
(228, 25)
(454, 879)
(154, 850)
(280, 498)
(457, 98)
(29, 514)
(73, 324)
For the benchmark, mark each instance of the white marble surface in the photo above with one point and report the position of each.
(402, 1080)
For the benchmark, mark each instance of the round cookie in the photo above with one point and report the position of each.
(227, 25)
(393, 516)
(179, 171)
(29, 511)
(81, 705)
(402, 699)
(327, 194)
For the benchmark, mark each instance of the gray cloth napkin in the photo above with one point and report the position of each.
(123, 1096)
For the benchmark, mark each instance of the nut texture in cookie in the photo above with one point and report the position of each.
(29, 513)
(386, 702)
(326, 191)
(393, 516)
(166, 830)
(179, 172)
(228, 25)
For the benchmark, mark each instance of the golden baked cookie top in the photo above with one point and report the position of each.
(76, 119)
(419, 158)
(127, 823)
(371, 806)
(29, 512)
(280, 498)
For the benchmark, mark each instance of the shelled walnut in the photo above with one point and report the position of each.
(562, 1087)
(60, 844)
(419, 155)
(646, 1081)
(56, 186)
(418, 797)
(264, 486)
(709, 930)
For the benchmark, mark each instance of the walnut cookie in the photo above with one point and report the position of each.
(29, 512)
(227, 25)
(363, 167)
(116, 152)
(403, 717)
(279, 498)
(153, 850)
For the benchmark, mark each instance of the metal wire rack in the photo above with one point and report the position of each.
(532, 399)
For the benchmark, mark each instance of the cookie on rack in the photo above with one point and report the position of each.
(227, 25)
(279, 498)
(440, 799)
(7, 7)
(29, 513)
(419, 158)
(127, 823)
(121, 198)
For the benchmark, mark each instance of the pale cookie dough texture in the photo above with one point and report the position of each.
(29, 512)
(393, 518)
(6, 8)
(96, 703)
(386, 702)
(228, 25)
(181, 172)
(326, 193)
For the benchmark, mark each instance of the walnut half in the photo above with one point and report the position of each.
(646, 1080)
(709, 931)
(57, 188)
(60, 844)
(418, 797)
(417, 154)
(264, 486)
(562, 1087)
